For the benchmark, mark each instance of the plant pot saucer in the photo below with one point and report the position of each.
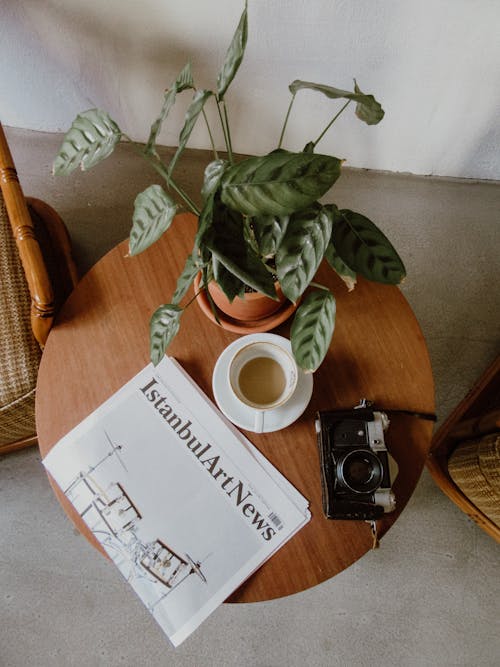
(240, 326)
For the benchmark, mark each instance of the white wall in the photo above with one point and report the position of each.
(433, 64)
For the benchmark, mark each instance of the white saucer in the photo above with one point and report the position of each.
(243, 416)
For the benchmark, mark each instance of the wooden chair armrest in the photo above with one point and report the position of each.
(55, 238)
(37, 277)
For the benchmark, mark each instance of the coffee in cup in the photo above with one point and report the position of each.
(263, 376)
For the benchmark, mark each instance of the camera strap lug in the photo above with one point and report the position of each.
(374, 529)
(363, 403)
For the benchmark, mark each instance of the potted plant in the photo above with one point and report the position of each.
(260, 217)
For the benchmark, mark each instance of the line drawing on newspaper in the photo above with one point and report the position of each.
(114, 519)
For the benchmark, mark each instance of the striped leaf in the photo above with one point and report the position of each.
(301, 251)
(279, 183)
(185, 78)
(91, 138)
(366, 250)
(228, 282)
(183, 82)
(212, 177)
(269, 231)
(168, 103)
(185, 280)
(154, 211)
(312, 329)
(194, 110)
(234, 55)
(163, 327)
(367, 107)
(226, 240)
(340, 267)
(205, 221)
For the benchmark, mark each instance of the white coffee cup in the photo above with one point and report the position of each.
(262, 376)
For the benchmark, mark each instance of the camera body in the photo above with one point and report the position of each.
(355, 464)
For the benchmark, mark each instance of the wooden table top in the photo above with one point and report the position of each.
(101, 340)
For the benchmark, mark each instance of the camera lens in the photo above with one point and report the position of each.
(360, 470)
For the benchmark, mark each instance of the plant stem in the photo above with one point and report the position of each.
(286, 120)
(226, 118)
(331, 123)
(163, 171)
(313, 284)
(210, 134)
(224, 130)
(202, 287)
(158, 166)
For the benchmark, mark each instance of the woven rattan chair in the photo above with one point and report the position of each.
(37, 273)
(465, 453)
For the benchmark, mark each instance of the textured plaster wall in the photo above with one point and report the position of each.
(433, 64)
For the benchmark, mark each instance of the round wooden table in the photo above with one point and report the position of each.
(101, 339)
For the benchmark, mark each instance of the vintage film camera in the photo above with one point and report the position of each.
(356, 467)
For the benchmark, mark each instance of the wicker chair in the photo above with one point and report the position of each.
(37, 273)
(465, 453)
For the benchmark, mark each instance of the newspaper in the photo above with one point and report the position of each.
(185, 506)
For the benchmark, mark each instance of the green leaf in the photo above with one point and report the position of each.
(279, 183)
(340, 267)
(234, 55)
(226, 240)
(332, 256)
(312, 329)
(168, 103)
(367, 107)
(365, 249)
(185, 280)
(154, 211)
(183, 81)
(228, 282)
(91, 138)
(269, 231)
(214, 172)
(163, 327)
(205, 220)
(194, 110)
(301, 251)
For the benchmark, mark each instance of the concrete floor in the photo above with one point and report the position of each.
(428, 596)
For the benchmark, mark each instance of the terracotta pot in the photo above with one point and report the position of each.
(282, 310)
(249, 308)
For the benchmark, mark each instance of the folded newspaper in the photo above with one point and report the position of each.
(185, 506)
